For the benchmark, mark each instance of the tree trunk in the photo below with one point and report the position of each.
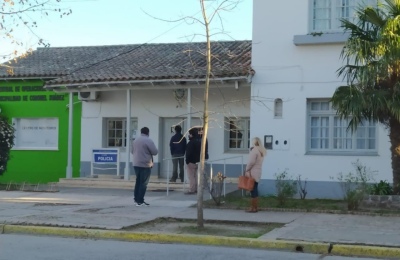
(394, 136)
(200, 177)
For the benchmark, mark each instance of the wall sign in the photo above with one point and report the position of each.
(19, 93)
(108, 157)
(36, 133)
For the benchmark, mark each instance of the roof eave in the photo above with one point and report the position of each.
(26, 78)
(131, 84)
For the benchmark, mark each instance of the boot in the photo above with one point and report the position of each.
(255, 204)
(253, 208)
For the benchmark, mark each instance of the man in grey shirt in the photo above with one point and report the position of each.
(143, 150)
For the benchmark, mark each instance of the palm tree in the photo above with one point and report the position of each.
(372, 71)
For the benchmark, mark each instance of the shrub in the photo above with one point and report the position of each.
(381, 188)
(286, 187)
(356, 185)
(302, 188)
(6, 142)
(217, 187)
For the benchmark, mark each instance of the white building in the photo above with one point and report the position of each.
(159, 86)
(295, 54)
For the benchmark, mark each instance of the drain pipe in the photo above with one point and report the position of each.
(128, 138)
(70, 126)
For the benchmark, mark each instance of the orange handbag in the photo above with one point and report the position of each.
(246, 183)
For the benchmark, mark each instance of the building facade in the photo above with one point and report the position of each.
(159, 86)
(40, 119)
(296, 67)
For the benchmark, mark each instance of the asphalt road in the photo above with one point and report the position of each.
(26, 247)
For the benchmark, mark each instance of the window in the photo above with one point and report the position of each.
(328, 133)
(278, 108)
(116, 131)
(238, 137)
(326, 14)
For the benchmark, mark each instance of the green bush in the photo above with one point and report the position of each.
(381, 188)
(6, 142)
(356, 185)
(286, 187)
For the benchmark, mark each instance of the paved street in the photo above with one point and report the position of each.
(23, 247)
(113, 209)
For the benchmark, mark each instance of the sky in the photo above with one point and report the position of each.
(113, 22)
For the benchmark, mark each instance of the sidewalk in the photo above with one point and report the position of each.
(112, 210)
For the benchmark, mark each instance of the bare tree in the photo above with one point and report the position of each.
(210, 14)
(207, 20)
(16, 16)
(21, 16)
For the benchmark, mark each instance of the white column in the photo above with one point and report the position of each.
(189, 109)
(127, 172)
(70, 127)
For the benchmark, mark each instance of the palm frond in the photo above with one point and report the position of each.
(392, 7)
(358, 103)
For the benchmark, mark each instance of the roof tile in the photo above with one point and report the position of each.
(72, 65)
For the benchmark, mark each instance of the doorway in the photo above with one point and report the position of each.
(167, 131)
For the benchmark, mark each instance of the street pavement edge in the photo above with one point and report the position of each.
(287, 245)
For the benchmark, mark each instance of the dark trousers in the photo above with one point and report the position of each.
(175, 162)
(254, 192)
(142, 179)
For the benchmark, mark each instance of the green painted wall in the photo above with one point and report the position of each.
(27, 99)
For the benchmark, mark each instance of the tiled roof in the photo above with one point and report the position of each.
(121, 63)
(59, 61)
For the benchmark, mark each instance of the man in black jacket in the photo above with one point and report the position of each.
(177, 145)
(193, 149)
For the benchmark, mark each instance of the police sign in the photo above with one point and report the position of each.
(109, 156)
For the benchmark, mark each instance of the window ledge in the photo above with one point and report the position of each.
(120, 148)
(323, 38)
(327, 153)
(245, 151)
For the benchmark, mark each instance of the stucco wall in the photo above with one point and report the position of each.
(295, 73)
(150, 106)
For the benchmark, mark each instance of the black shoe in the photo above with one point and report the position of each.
(182, 180)
(145, 203)
(172, 180)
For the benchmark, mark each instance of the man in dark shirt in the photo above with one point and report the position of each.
(177, 145)
(193, 149)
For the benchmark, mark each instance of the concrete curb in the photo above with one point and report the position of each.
(300, 246)
(337, 212)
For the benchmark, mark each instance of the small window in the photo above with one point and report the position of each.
(116, 131)
(238, 134)
(278, 108)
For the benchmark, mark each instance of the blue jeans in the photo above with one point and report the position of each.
(142, 179)
(254, 192)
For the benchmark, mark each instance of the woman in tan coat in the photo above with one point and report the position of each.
(254, 168)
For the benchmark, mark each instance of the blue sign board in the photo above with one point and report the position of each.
(105, 156)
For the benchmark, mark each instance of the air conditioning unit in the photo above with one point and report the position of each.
(88, 96)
